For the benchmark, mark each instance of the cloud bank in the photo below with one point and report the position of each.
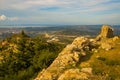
(69, 11)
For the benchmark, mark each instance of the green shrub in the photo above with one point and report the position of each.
(101, 58)
(32, 55)
(112, 62)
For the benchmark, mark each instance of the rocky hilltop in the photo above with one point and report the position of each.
(80, 60)
(106, 32)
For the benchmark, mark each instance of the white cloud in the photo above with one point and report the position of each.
(68, 10)
(40, 3)
(25, 4)
(69, 5)
(3, 17)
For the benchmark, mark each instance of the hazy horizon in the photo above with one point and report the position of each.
(54, 26)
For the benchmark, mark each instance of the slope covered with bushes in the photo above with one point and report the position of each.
(21, 57)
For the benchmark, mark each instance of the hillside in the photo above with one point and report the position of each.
(21, 57)
(37, 58)
(87, 59)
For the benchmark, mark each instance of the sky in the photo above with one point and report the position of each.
(71, 12)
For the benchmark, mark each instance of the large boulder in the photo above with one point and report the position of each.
(106, 32)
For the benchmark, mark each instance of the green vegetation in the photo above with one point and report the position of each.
(21, 57)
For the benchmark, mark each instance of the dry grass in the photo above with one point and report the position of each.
(105, 64)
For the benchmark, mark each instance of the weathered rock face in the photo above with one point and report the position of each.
(70, 56)
(81, 42)
(104, 37)
(106, 46)
(72, 74)
(106, 32)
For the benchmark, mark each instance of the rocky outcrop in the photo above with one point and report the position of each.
(106, 38)
(106, 46)
(115, 38)
(70, 56)
(76, 74)
(106, 32)
(62, 67)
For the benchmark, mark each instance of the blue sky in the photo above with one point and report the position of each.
(79, 12)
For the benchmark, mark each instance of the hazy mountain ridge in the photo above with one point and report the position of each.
(68, 29)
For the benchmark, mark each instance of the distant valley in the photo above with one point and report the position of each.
(56, 31)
